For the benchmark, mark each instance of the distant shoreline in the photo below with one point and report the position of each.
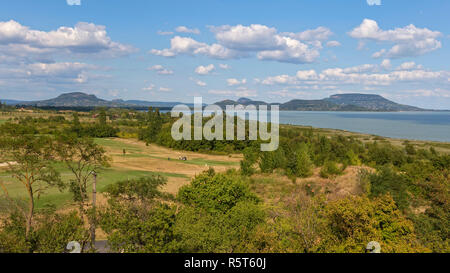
(367, 135)
(144, 108)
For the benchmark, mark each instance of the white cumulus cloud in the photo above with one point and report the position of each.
(50, 73)
(264, 42)
(183, 29)
(333, 44)
(189, 46)
(408, 41)
(200, 83)
(83, 39)
(234, 82)
(161, 70)
(74, 2)
(224, 66)
(204, 70)
(165, 89)
(366, 75)
(409, 66)
(239, 92)
(149, 87)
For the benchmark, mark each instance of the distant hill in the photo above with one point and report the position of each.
(340, 102)
(78, 99)
(317, 105)
(371, 102)
(295, 105)
(241, 101)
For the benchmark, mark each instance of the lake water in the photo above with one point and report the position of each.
(433, 126)
(409, 125)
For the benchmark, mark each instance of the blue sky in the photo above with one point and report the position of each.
(265, 50)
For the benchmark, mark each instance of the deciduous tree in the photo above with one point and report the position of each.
(30, 161)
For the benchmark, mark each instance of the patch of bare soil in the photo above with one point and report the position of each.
(174, 184)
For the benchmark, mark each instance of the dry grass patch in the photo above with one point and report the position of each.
(139, 156)
(275, 187)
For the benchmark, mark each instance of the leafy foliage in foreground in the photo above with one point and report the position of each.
(219, 218)
(216, 192)
(355, 221)
(51, 233)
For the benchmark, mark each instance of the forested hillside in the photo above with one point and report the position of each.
(340, 102)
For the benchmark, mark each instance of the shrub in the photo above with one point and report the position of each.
(145, 188)
(270, 161)
(387, 180)
(12, 235)
(250, 158)
(216, 192)
(303, 164)
(197, 230)
(354, 221)
(55, 231)
(136, 219)
(330, 169)
(352, 158)
(51, 233)
(137, 228)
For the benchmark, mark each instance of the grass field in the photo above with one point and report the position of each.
(139, 161)
(60, 199)
(197, 161)
(135, 149)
